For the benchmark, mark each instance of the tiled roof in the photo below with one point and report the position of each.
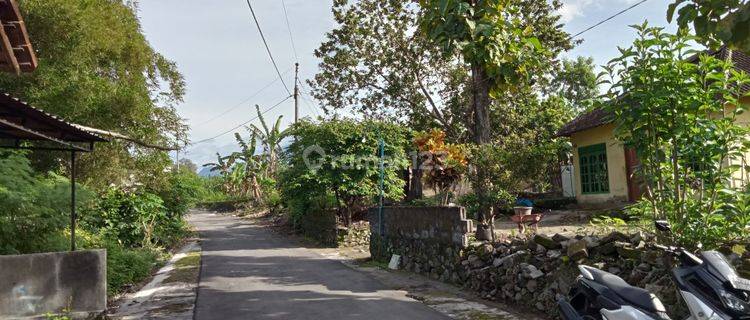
(599, 117)
(585, 121)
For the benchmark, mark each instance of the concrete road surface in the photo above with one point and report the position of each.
(250, 273)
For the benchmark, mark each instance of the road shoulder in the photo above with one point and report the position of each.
(171, 294)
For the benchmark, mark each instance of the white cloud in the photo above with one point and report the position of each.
(572, 9)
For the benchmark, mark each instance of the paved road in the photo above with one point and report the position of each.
(251, 273)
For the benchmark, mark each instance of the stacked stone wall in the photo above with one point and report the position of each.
(532, 272)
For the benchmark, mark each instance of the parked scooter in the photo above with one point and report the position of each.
(709, 284)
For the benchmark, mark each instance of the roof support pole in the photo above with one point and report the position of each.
(73, 201)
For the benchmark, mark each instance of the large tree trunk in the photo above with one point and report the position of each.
(415, 185)
(481, 105)
(481, 109)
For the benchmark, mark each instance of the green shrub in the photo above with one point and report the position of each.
(135, 219)
(684, 119)
(127, 266)
(338, 160)
(181, 193)
(211, 189)
(424, 202)
(470, 202)
(35, 208)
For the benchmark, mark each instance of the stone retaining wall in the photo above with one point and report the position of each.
(528, 272)
(357, 235)
(35, 284)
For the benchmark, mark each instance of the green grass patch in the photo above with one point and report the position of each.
(370, 263)
(186, 269)
(477, 315)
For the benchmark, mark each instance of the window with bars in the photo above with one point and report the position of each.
(594, 176)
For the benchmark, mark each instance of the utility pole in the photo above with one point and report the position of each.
(296, 92)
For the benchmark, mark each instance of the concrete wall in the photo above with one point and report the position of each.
(741, 177)
(443, 225)
(35, 284)
(420, 235)
(618, 182)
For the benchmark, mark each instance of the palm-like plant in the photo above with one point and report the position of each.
(252, 165)
(224, 166)
(270, 138)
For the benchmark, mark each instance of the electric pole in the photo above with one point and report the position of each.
(296, 92)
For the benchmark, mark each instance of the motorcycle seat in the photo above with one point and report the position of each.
(637, 297)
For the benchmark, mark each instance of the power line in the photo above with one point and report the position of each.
(306, 100)
(265, 43)
(610, 18)
(244, 123)
(289, 27)
(243, 101)
(309, 105)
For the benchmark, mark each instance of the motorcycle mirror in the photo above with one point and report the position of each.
(663, 226)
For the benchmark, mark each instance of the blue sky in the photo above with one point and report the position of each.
(218, 49)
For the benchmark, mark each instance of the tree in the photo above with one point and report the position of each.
(376, 63)
(224, 166)
(505, 42)
(576, 82)
(97, 69)
(270, 138)
(188, 165)
(715, 22)
(253, 165)
(525, 124)
(337, 162)
(680, 115)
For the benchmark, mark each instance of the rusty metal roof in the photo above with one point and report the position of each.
(21, 122)
(16, 53)
(600, 117)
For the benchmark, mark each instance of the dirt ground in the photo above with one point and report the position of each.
(566, 222)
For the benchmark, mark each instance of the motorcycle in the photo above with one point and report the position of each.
(708, 284)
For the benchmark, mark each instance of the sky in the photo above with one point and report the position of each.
(219, 51)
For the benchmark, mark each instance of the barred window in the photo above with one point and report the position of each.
(594, 175)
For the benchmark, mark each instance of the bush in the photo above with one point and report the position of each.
(683, 118)
(126, 266)
(182, 192)
(338, 160)
(135, 219)
(35, 208)
(211, 189)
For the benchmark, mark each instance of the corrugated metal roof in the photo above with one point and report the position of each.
(22, 114)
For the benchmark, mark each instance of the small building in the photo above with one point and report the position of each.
(603, 169)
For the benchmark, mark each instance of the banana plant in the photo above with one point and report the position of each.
(270, 138)
(252, 165)
(224, 166)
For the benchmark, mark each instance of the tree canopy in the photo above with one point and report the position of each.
(716, 22)
(576, 82)
(375, 63)
(97, 69)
